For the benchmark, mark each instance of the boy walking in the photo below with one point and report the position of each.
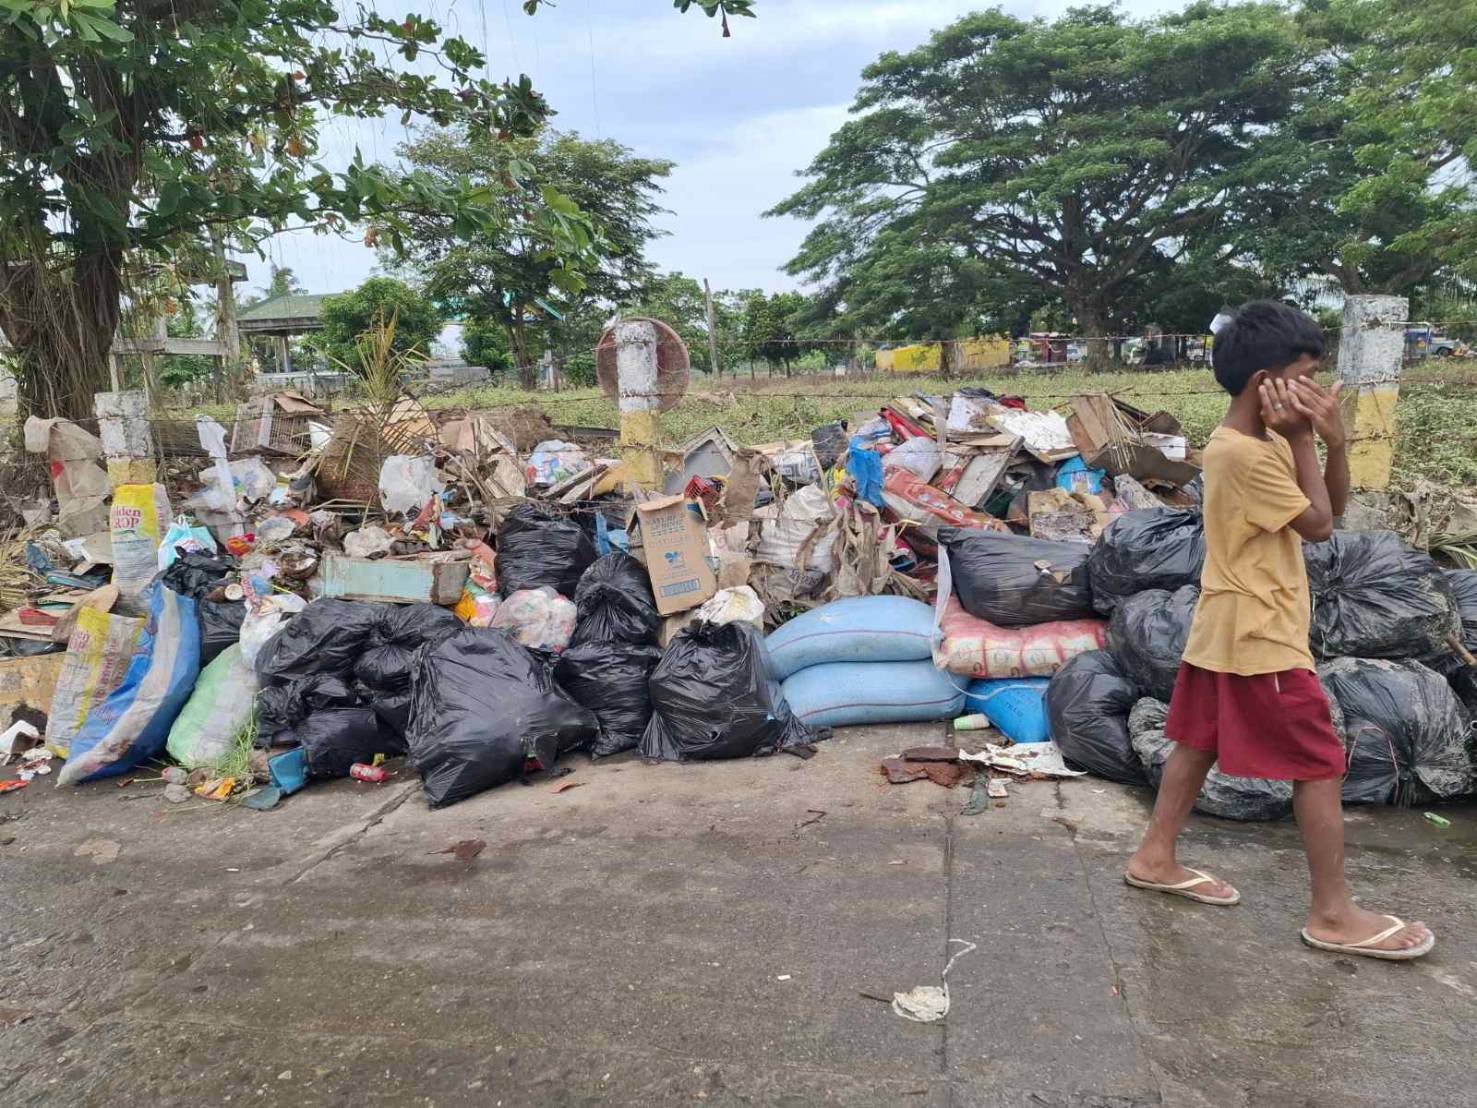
(1247, 694)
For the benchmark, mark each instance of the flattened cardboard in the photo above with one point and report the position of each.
(674, 539)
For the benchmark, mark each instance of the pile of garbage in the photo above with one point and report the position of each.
(483, 595)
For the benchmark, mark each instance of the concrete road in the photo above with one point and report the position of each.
(705, 934)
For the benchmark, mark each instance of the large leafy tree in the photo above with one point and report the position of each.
(1369, 181)
(1076, 153)
(349, 315)
(130, 128)
(514, 270)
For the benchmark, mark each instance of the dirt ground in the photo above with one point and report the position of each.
(706, 934)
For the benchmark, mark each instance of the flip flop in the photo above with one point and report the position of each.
(1186, 889)
(1368, 948)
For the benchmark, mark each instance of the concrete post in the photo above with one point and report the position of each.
(127, 436)
(1371, 349)
(636, 385)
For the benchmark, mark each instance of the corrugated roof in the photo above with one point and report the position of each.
(305, 305)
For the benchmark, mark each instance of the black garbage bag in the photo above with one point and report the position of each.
(1087, 706)
(325, 637)
(1376, 597)
(340, 654)
(614, 603)
(534, 549)
(196, 574)
(1405, 731)
(1153, 548)
(1148, 633)
(386, 666)
(1240, 798)
(1013, 581)
(220, 626)
(712, 696)
(281, 707)
(610, 679)
(335, 738)
(1463, 682)
(1463, 586)
(483, 708)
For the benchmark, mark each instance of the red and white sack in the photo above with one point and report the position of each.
(971, 647)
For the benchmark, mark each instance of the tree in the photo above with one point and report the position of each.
(129, 128)
(350, 315)
(771, 327)
(283, 282)
(485, 343)
(1369, 180)
(1069, 153)
(514, 271)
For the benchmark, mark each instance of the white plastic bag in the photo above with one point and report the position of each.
(406, 483)
(806, 518)
(737, 605)
(265, 620)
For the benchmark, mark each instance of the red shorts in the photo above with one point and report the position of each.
(1273, 726)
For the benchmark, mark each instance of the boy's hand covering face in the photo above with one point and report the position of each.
(1278, 410)
(1320, 406)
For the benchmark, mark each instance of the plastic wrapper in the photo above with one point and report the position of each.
(484, 708)
(615, 603)
(713, 696)
(1156, 548)
(973, 647)
(1238, 798)
(535, 550)
(1376, 597)
(1405, 731)
(1087, 706)
(610, 679)
(132, 725)
(1012, 581)
(1148, 634)
(540, 619)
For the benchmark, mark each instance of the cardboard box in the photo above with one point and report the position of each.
(674, 539)
(30, 681)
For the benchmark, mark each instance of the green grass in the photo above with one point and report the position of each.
(1437, 436)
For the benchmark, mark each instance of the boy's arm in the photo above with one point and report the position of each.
(1322, 410)
(1280, 414)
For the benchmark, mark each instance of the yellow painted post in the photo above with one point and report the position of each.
(1371, 350)
(636, 384)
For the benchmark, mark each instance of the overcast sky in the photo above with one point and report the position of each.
(739, 116)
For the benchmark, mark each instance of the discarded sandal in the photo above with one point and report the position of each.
(1368, 948)
(1187, 889)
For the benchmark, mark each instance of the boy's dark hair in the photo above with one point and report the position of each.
(1262, 335)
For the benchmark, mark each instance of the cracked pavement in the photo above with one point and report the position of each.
(706, 934)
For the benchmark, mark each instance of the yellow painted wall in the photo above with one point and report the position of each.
(927, 357)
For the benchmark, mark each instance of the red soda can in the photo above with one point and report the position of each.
(361, 771)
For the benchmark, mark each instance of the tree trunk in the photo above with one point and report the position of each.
(520, 350)
(1092, 317)
(946, 359)
(62, 325)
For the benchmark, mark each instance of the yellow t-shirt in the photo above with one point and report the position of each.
(1255, 607)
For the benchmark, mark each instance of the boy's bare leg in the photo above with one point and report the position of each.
(1334, 917)
(1184, 775)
